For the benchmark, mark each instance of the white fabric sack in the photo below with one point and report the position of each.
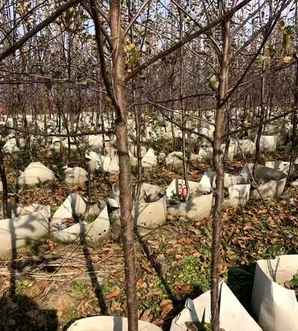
(233, 316)
(17, 232)
(149, 160)
(108, 323)
(95, 160)
(11, 147)
(194, 188)
(150, 215)
(75, 176)
(268, 143)
(205, 153)
(205, 184)
(150, 192)
(95, 141)
(174, 159)
(279, 165)
(230, 180)
(269, 190)
(238, 195)
(88, 232)
(111, 164)
(35, 173)
(245, 146)
(73, 206)
(195, 208)
(275, 307)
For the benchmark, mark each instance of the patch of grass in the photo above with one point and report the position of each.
(152, 305)
(71, 314)
(190, 272)
(107, 288)
(294, 281)
(274, 250)
(79, 289)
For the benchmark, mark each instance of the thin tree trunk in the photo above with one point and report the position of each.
(6, 213)
(218, 165)
(127, 224)
(294, 124)
(261, 123)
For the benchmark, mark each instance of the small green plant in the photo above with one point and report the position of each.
(275, 250)
(79, 289)
(107, 288)
(71, 314)
(175, 198)
(152, 304)
(199, 326)
(293, 284)
(294, 281)
(190, 273)
(22, 285)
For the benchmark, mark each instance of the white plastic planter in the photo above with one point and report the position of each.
(233, 316)
(17, 232)
(275, 306)
(35, 173)
(109, 323)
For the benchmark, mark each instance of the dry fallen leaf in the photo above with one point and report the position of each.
(114, 294)
(166, 306)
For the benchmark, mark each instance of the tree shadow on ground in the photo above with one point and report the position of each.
(97, 288)
(178, 301)
(241, 280)
(19, 312)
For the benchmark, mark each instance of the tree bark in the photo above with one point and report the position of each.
(127, 224)
(261, 122)
(6, 213)
(219, 168)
